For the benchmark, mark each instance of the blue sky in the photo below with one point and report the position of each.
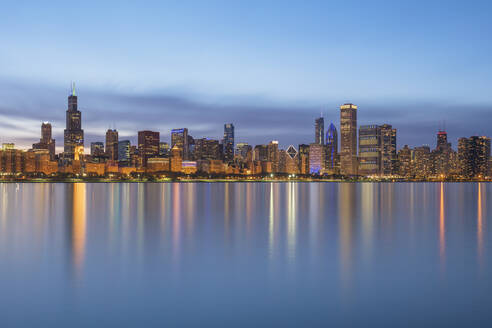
(270, 67)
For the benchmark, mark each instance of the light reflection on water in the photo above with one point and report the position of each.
(267, 253)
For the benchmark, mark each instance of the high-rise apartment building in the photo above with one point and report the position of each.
(179, 138)
(474, 156)
(112, 145)
(207, 149)
(369, 150)
(421, 162)
(319, 131)
(228, 142)
(405, 161)
(443, 155)
(148, 145)
(73, 136)
(348, 142)
(388, 150)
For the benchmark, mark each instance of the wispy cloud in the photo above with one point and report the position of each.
(24, 106)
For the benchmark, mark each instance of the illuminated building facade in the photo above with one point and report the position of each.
(348, 139)
(405, 161)
(316, 159)
(148, 145)
(179, 138)
(331, 150)
(228, 142)
(207, 149)
(73, 136)
(474, 156)
(388, 150)
(369, 150)
(112, 145)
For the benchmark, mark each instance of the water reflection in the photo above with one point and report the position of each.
(219, 247)
(79, 228)
(291, 221)
(346, 217)
(480, 224)
(442, 226)
(271, 224)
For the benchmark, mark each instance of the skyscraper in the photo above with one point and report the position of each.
(273, 154)
(46, 142)
(97, 148)
(319, 131)
(369, 150)
(207, 149)
(179, 138)
(442, 140)
(388, 150)
(348, 134)
(316, 159)
(331, 149)
(148, 145)
(112, 144)
(474, 156)
(124, 158)
(442, 156)
(228, 142)
(73, 135)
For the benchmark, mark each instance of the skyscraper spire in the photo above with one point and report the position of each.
(73, 88)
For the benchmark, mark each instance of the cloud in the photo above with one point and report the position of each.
(257, 120)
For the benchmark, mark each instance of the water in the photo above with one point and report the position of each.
(245, 254)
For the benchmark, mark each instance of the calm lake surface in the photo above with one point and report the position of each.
(245, 254)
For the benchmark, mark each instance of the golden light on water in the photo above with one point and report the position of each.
(79, 227)
(480, 223)
(442, 223)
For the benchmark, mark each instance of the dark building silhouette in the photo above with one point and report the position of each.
(331, 149)
(46, 142)
(124, 157)
(97, 148)
(148, 145)
(319, 131)
(228, 142)
(73, 135)
(388, 150)
(207, 149)
(112, 144)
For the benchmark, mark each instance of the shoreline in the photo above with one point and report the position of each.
(233, 181)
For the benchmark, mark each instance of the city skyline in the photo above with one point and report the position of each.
(172, 63)
(413, 132)
(366, 151)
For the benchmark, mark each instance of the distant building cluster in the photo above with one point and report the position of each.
(368, 151)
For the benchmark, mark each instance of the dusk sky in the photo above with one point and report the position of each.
(269, 67)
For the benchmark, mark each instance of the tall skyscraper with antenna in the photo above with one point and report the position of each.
(319, 131)
(73, 135)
